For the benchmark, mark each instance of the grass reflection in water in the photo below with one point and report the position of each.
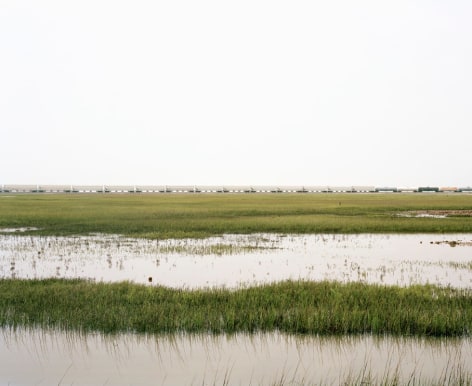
(64, 357)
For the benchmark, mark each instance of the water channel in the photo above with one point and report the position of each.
(33, 357)
(235, 260)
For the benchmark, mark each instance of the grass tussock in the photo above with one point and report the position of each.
(324, 308)
(163, 216)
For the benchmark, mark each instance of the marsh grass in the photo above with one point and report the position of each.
(218, 249)
(324, 308)
(452, 375)
(202, 215)
(458, 265)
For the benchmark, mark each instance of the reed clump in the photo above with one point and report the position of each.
(324, 308)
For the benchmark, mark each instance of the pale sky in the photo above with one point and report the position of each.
(334, 92)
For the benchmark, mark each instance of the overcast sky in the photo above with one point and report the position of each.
(334, 92)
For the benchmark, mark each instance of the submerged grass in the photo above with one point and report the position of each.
(325, 308)
(456, 376)
(163, 216)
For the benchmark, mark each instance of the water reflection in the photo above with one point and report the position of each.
(32, 356)
(234, 260)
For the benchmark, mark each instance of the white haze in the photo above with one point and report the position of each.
(243, 92)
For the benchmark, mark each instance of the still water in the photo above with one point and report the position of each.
(235, 260)
(33, 357)
(38, 356)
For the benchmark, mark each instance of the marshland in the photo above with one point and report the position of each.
(319, 275)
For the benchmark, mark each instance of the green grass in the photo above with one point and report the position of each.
(293, 307)
(324, 308)
(163, 216)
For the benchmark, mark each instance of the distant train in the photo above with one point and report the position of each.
(226, 189)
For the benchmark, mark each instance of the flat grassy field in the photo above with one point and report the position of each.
(295, 307)
(163, 216)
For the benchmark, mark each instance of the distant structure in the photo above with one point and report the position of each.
(224, 189)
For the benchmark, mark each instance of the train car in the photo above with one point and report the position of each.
(21, 188)
(423, 189)
(407, 189)
(448, 189)
(386, 189)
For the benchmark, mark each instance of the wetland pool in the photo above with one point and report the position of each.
(40, 356)
(35, 356)
(243, 260)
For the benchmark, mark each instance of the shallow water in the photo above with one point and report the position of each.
(35, 356)
(235, 260)
(20, 230)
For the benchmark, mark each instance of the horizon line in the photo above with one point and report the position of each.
(104, 188)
